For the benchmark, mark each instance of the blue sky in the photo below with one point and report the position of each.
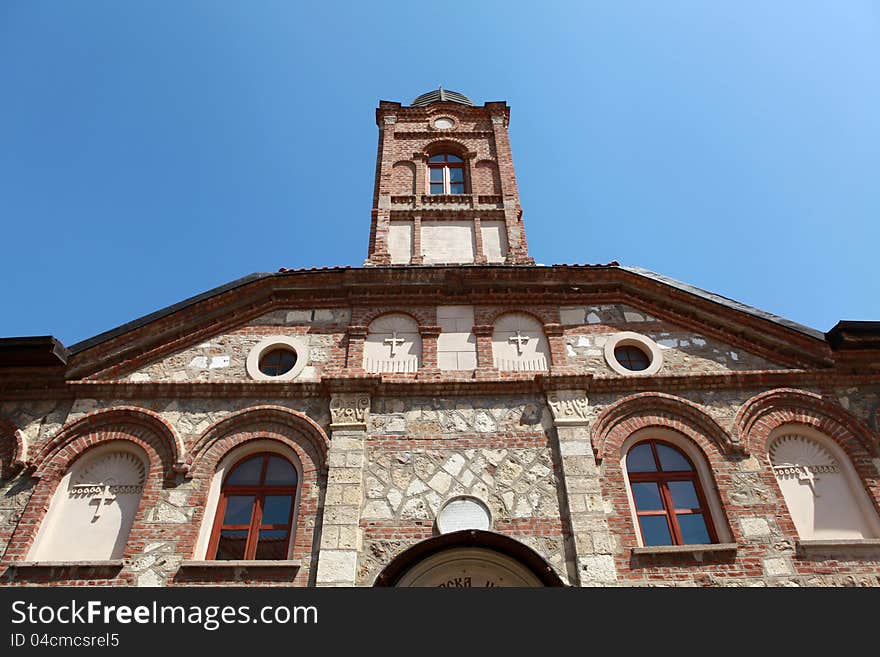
(732, 145)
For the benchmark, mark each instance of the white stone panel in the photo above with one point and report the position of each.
(400, 241)
(519, 343)
(821, 490)
(93, 508)
(456, 344)
(494, 235)
(393, 344)
(447, 242)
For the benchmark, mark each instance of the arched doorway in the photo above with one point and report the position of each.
(469, 559)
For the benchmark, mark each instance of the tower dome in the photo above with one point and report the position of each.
(441, 95)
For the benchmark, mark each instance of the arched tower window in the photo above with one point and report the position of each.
(667, 495)
(446, 174)
(255, 513)
(822, 491)
(94, 506)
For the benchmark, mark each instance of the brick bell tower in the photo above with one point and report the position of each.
(445, 189)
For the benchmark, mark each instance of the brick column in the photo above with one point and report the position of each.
(593, 544)
(480, 254)
(555, 338)
(340, 527)
(354, 358)
(416, 258)
(421, 162)
(429, 336)
(483, 333)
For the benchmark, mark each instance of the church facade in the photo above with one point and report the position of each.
(449, 414)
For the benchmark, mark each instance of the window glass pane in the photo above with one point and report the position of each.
(647, 496)
(436, 158)
(247, 473)
(632, 358)
(693, 528)
(456, 174)
(453, 158)
(436, 188)
(640, 459)
(238, 510)
(272, 544)
(231, 544)
(280, 472)
(436, 174)
(277, 362)
(671, 459)
(276, 509)
(457, 188)
(655, 530)
(684, 495)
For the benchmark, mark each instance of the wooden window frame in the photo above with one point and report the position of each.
(662, 478)
(260, 492)
(446, 166)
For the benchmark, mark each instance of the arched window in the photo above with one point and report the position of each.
(822, 490)
(446, 174)
(668, 498)
(255, 513)
(94, 506)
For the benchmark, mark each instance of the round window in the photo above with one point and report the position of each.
(278, 358)
(277, 361)
(633, 354)
(632, 358)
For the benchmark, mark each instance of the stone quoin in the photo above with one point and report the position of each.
(448, 414)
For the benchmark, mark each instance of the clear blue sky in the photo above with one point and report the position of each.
(732, 145)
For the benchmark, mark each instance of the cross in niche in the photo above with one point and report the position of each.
(806, 475)
(104, 496)
(520, 340)
(394, 341)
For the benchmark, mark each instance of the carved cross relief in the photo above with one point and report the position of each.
(104, 495)
(394, 342)
(519, 339)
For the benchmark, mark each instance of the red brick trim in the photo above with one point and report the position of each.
(541, 315)
(419, 316)
(768, 410)
(656, 409)
(13, 448)
(256, 416)
(151, 425)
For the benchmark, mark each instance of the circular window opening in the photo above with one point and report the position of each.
(632, 358)
(277, 362)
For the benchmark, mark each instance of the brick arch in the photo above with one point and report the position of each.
(137, 424)
(255, 423)
(13, 448)
(656, 409)
(75, 441)
(447, 145)
(493, 315)
(373, 315)
(768, 410)
(403, 178)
